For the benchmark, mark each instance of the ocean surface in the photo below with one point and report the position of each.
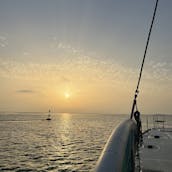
(67, 143)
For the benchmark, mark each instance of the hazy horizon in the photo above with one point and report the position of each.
(84, 56)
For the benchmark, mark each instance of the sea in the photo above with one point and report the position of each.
(67, 143)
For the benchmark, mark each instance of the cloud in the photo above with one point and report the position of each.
(25, 91)
(26, 53)
(68, 47)
(3, 41)
(159, 71)
(58, 45)
(85, 69)
(65, 79)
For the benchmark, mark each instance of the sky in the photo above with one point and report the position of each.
(84, 56)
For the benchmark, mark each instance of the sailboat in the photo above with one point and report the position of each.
(128, 149)
(49, 116)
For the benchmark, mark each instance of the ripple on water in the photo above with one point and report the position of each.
(51, 168)
(8, 168)
(25, 170)
(69, 143)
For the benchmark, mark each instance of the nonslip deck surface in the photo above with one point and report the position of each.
(156, 152)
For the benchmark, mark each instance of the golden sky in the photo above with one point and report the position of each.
(84, 56)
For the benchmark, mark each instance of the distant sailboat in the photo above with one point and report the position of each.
(49, 116)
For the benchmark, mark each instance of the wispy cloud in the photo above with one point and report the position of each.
(25, 91)
(83, 68)
(159, 71)
(80, 68)
(26, 53)
(66, 47)
(3, 41)
(65, 79)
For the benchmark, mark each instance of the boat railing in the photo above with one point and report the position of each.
(160, 121)
(119, 152)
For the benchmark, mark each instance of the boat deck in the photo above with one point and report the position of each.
(156, 151)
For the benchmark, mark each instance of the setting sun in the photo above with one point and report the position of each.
(67, 95)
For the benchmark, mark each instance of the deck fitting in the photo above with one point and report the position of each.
(150, 146)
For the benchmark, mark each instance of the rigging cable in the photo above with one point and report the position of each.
(141, 69)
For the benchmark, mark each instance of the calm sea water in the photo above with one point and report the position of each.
(67, 143)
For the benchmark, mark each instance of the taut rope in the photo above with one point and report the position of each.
(141, 69)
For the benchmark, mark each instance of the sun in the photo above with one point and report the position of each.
(67, 95)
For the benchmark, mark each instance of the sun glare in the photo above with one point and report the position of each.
(67, 95)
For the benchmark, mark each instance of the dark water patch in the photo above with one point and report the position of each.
(53, 160)
(66, 155)
(37, 157)
(33, 156)
(59, 159)
(16, 143)
(8, 168)
(64, 170)
(51, 168)
(25, 170)
(65, 163)
(77, 163)
(40, 146)
(89, 159)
